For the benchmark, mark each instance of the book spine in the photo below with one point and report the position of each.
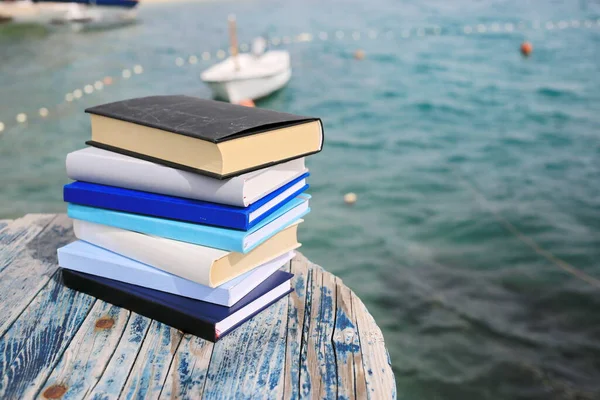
(197, 213)
(114, 169)
(154, 310)
(218, 238)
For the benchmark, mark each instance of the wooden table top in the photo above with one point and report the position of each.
(320, 342)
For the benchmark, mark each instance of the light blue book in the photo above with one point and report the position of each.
(204, 235)
(85, 257)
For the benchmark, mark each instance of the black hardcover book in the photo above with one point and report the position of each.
(206, 320)
(205, 136)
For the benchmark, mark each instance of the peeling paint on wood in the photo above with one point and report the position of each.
(55, 343)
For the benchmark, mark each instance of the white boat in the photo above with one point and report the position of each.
(256, 77)
(68, 11)
(248, 76)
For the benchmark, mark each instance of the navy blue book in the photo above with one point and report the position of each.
(178, 208)
(206, 320)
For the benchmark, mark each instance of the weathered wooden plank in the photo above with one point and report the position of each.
(360, 381)
(346, 345)
(248, 362)
(83, 362)
(113, 379)
(319, 378)
(379, 378)
(319, 343)
(35, 342)
(299, 267)
(187, 376)
(14, 236)
(28, 272)
(149, 371)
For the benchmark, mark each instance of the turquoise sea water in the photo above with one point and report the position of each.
(434, 134)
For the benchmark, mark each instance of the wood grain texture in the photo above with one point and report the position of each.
(296, 305)
(4, 222)
(346, 344)
(32, 346)
(16, 235)
(320, 342)
(379, 378)
(26, 273)
(318, 375)
(248, 363)
(187, 376)
(84, 361)
(149, 371)
(111, 383)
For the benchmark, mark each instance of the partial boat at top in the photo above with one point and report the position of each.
(248, 76)
(69, 11)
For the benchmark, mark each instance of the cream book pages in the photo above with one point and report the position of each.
(204, 265)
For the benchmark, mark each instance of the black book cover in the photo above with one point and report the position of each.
(188, 315)
(209, 120)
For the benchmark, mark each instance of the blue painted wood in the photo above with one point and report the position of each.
(30, 349)
(321, 342)
(296, 315)
(111, 383)
(189, 368)
(84, 361)
(148, 373)
(248, 363)
(15, 236)
(30, 269)
(350, 374)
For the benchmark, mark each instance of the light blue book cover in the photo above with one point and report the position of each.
(85, 257)
(204, 235)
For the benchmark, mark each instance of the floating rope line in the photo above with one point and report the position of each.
(70, 97)
(565, 266)
(306, 37)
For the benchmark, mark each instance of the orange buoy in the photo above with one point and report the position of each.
(247, 103)
(526, 48)
(107, 80)
(359, 54)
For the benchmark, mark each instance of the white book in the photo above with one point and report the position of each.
(85, 257)
(108, 168)
(200, 264)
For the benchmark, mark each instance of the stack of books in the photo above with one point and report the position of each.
(186, 209)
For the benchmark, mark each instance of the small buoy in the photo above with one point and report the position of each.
(107, 80)
(526, 48)
(43, 112)
(350, 198)
(359, 54)
(21, 118)
(247, 103)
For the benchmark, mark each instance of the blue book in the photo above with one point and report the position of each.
(85, 257)
(206, 320)
(204, 235)
(196, 211)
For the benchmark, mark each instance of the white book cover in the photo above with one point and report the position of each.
(200, 264)
(87, 258)
(108, 168)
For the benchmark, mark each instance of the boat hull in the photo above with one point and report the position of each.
(252, 89)
(62, 12)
